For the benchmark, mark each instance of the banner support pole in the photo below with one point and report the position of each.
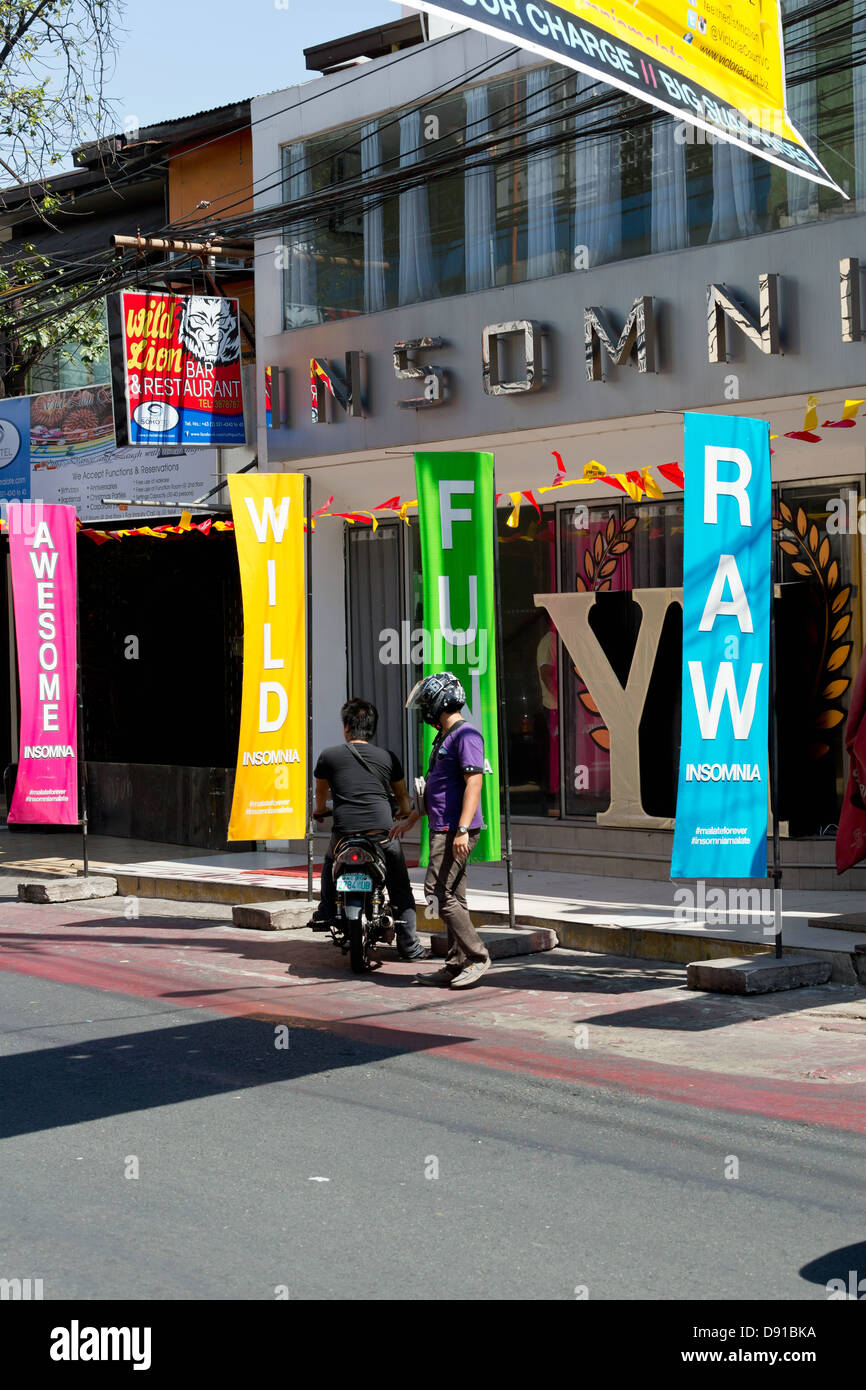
(774, 781)
(308, 553)
(82, 772)
(502, 720)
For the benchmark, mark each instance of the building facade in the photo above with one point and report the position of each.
(537, 266)
(161, 620)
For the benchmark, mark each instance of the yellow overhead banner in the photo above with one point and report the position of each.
(718, 64)
(270, 795)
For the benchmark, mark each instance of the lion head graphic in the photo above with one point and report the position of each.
(209, 330)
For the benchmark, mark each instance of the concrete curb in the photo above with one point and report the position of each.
(189, 890)
(36, 875)
(605, 938)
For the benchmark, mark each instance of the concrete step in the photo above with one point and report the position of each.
(522, 941)
(850, 921)
(67, 890)
(763, 974)
(281, 915)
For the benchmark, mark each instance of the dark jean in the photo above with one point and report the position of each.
(397, 883)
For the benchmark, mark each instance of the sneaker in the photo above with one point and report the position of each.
(471, 974)
(441, 978)
(322, 924)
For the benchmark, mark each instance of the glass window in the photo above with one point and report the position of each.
(559, 747)
(818, 644)
(378, 640)
(546, 171)
(656, 554)
(610, 550)
(596, 557)
(62, 368)
(530, 659)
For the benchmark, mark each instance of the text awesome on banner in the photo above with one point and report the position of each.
(456, 516)
(721, 817)
(270, 794)
(716, 66)
(42, 555)
(175, 369)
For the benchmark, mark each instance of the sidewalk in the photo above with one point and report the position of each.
(622, 917)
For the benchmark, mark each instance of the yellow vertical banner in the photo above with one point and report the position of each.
(270, 793)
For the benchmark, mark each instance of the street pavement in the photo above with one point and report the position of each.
(189, 1111)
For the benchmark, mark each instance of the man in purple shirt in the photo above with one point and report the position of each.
(452, 804)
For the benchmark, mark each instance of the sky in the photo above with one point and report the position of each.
(178, 57)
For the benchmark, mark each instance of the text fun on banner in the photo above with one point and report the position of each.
(43, 562)
(721, 816)
(270, 793)
(724, 73)
(456, 520)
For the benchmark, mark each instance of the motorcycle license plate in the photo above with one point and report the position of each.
(354, 883)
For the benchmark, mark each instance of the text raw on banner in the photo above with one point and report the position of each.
(721, 817)
(456, 515)
(270, 793)
(43, 561)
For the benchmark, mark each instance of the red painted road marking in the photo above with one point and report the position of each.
(329, 1003)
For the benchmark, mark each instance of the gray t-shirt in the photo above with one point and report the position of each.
(359, 795)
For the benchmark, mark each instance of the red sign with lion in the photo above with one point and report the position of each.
(176, 369)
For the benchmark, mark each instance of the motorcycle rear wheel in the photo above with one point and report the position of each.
(357, 945)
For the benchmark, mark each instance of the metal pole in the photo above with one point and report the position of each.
(308, 550)
(503, 722)
(774, 781)
(82, 773)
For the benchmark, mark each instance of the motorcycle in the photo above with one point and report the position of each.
(359, 883)
(362, 922)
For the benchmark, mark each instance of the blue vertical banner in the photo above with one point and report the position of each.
(721, 819)
(14, 449)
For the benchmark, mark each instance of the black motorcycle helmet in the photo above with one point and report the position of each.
(436, 695)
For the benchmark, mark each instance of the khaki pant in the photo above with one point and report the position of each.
(445, 886)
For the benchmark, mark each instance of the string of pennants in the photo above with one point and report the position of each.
(159, 533)
(636, 484)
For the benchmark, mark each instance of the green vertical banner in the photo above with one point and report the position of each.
(456, 514)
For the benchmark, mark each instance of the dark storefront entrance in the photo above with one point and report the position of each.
(162, 637)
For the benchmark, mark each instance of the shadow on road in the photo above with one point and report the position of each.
(51, 1087)
(847, 1264)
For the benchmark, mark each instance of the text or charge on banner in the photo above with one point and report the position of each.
(270, 793)
(42, 555)
(456, 509)
(721, 818)
(719, 66)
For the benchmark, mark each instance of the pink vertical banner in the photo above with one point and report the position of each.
(42, 552)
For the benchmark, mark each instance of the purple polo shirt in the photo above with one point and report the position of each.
(461, 751)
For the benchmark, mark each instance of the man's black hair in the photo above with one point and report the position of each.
(360, 718)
